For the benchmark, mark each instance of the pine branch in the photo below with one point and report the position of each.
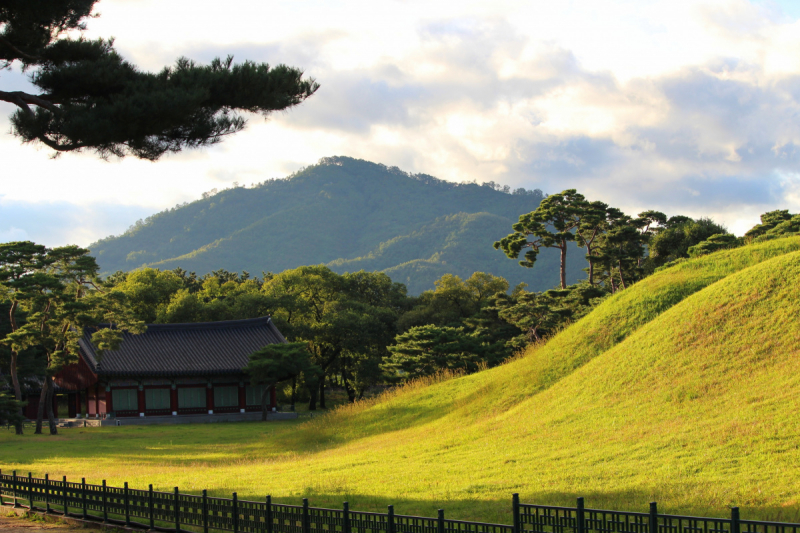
(22, 99)
(17, 51)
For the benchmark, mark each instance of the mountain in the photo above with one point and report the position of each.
(349, 214)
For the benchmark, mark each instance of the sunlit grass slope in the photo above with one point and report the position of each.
(682, 389)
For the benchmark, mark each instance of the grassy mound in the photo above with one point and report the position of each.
(681, 389)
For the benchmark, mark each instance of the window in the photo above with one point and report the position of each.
(253, 393)
(124, 400)
(191, 397)
(226, 396)
(156, 399)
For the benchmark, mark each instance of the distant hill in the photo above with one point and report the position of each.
(349, 214)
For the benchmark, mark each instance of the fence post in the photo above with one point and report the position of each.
(440, 521)
(150, 507)
(83, 498)
(269, 514)
(306, 519)
(515, 511)
(579, 524)
(65, 495)
(177, 507)
(30, 491)
(735, 526)
(47, 493)
(127, 505)
(653, 517)
(105, 503)
(205, 511)
(235, 514)
(346, 517)
(14, 487)
(390, 519)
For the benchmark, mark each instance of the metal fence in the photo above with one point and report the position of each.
(177, 512)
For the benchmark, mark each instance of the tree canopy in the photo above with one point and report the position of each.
(91, 98)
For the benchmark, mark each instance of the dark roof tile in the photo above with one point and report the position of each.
(204, 348)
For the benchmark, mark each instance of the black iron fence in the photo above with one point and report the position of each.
(178, 512)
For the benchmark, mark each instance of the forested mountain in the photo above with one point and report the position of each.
(347, 213)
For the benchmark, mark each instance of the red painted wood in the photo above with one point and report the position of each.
(140, 397)
(210, 398)
(242, 398)
(273, 397)
(109, 401)
(76, 377)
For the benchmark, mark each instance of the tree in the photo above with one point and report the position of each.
(679, 234)
(425, 350)
(278, 362)
(769, 220)
(716, 242)
(561, 212)
(533, 313)
(10, 410)
(53, 292)
(91, 98)
(18, 262)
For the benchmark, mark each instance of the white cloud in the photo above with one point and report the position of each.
(682, 105)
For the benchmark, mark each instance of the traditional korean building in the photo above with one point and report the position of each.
(171, 370)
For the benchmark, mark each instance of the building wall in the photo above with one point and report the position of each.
(100, 398)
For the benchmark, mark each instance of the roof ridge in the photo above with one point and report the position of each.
(217, 324)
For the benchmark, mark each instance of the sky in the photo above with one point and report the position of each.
(685, 106)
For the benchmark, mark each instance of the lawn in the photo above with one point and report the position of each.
(682, 389)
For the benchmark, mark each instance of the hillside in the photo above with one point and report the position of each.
(681, 389)
(347, 213)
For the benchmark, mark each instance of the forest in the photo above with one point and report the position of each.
(355, 331)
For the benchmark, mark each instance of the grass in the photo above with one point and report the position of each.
(682, 390)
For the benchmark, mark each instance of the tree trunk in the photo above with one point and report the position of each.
(40, 411)
(312, 403)
(294, 391)
(51, 418)
(351, 391)
(591, 264)
(611, 280)
(621, 279)
(17, 389)
(264, 399)
(563, 248)
(322, 392)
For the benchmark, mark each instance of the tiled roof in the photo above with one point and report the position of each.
(198, 349)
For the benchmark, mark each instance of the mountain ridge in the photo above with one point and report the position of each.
(348, 214)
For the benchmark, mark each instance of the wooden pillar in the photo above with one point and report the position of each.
(210, 398)
(140, 399)
(242, 397)
(55, 404)
(109, 399)
(173, 399)
(273, 397)
(86, 394)
(73, 403)
(97, 401)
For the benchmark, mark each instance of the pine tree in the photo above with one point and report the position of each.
(92, 99)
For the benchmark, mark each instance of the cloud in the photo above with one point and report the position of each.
(681, 105)
(61, 223)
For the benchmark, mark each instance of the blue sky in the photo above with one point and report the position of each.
(687, 106)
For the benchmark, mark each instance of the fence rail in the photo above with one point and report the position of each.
(190, 513)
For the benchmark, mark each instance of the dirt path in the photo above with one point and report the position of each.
(17, 524)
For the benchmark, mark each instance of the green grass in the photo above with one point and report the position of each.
(682, 389)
